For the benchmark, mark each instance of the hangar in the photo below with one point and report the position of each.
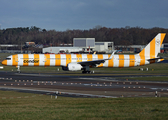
(106, 47)
(83, 45)
(89, 44)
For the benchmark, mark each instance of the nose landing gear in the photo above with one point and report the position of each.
(18, 69)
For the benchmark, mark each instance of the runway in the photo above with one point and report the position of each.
(74, 85)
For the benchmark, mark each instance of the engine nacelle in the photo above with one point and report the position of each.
(72, 67)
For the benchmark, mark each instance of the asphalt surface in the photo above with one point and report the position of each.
(73, 85)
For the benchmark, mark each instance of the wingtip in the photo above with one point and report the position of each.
(112, 55)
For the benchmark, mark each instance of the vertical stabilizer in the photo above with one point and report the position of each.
(153, 48)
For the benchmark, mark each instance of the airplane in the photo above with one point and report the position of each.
(75, 62)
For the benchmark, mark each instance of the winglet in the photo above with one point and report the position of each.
(112, 55)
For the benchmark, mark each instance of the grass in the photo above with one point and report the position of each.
(43, 107)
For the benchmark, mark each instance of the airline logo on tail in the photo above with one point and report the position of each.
(74, 62)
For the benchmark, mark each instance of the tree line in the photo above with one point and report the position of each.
(120, 36)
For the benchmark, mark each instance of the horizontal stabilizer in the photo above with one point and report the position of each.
(159, 59)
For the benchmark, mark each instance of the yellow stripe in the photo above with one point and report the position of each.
(142, 62)
(57, 60)
(79, 57)
(25, 58)
(15, 60)
(162, 38)
(121, 60)
(132, 60)
(47, 59)
(36, 60)
(152, 48)
(100, 57)
(89, 57)
(142, 55)
(68, 59)
(110, 62)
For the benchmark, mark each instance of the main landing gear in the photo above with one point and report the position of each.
(86, 70)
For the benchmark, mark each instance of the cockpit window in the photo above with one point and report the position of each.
(8, 58)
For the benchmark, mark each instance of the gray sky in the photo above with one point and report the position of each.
(83, 14)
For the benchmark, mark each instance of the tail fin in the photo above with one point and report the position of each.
(153, 48)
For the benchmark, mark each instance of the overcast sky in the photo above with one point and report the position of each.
(61, 15)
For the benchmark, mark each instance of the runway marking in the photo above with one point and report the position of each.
(6, 78)
(22, 82)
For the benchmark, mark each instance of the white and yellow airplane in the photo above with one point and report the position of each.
(75, 62)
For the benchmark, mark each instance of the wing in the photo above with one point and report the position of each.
(96, 62)
(92, 63)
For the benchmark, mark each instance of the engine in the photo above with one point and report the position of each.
(72, 67)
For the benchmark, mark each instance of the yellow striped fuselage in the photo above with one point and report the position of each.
(65, 59)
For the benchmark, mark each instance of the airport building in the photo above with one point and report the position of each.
(61, 50)
(106, 47)
(90, 44)
(87, 44)
(130, 48)
(164, 48)
(83, 45)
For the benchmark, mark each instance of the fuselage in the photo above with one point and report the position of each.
(65, 59)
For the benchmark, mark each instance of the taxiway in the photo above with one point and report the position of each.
(82, 86)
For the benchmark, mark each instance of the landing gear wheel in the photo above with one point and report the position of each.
(18, 70)
(86, 72)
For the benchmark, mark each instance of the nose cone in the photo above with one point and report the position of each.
(4, 62)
